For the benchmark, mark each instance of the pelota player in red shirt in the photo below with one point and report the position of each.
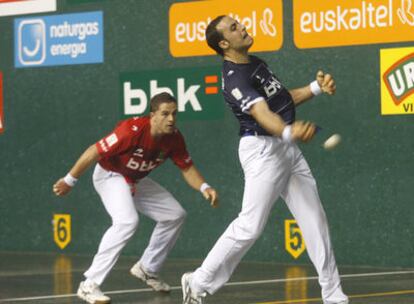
(125, 157)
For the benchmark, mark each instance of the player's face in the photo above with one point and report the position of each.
(163, 120)
(235, 34)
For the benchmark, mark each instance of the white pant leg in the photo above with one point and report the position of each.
(158, 204)
(266, 177)
(303, 201)
(117, 199)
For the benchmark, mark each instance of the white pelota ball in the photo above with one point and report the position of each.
(332, 142)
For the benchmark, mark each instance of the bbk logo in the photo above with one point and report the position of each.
(196, 91)
(397, 81)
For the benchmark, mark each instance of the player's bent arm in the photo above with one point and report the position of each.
(196, 181)
(89, 157)
(324, 83)
(267, 119)
(274, 124)
(64, 185)
(300, 95)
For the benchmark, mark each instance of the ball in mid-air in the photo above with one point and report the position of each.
(332, 142)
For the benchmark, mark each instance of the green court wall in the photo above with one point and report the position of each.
(52, 114)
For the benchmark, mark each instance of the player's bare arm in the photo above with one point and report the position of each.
(326, 85)
(196, 181)
(89, 157)
(273, 123)
(267, 119)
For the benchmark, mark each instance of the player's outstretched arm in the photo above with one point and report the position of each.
(196, 181)
(324, 83)
(65, 184)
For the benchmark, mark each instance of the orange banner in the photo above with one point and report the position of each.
(352, 22)
(188, 22)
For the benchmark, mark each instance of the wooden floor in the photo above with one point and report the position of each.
(37, 278)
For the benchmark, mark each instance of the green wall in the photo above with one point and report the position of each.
(51, 114)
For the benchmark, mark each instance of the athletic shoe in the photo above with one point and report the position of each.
(90, 292)
(151, 279)
(190, 296)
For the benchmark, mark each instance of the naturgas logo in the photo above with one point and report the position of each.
(188, 22)
(352, 22)
(397, 81)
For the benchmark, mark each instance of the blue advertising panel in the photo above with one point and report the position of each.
(58, 40)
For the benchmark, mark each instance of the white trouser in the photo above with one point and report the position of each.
(151, 200)
(272, 169)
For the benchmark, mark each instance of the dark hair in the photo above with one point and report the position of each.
(213, 36)
(160, 98)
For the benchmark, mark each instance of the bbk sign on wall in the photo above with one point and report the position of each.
(197, 91)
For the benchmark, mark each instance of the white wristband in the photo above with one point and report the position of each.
(287, 134)
(315, 88)
(70, 180)
(203, 187)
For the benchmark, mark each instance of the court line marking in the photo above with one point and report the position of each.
(366, 295)
(355, 275)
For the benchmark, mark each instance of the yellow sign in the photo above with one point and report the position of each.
(188, 22)
(329, 23)
(294, 243)
(397, 81)
(62, 229)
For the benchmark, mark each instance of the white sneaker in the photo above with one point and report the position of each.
(151, 279)
(90, 292)
(189, 296)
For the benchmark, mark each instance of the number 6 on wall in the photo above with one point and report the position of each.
(294, 243)
(62, 229)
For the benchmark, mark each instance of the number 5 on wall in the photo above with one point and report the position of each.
(294, 243)
(62, 229)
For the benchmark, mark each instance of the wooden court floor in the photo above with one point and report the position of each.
(54, 278)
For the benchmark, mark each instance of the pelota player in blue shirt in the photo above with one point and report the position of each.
(273, 165)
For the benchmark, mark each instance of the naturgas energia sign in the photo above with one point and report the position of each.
(352, 22)
(188, 22)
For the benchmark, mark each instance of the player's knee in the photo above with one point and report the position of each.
(180, 215)
(175, 218)
(253, 233)
(248, 231)
(126, 226)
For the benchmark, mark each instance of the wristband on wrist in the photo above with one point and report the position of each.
(203, 187)
(287, 134)
(315, 88)
(70, 180)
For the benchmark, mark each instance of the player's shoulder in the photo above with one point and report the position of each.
(134, 124)
(233, 75)
(176, 138)
(177, 134)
